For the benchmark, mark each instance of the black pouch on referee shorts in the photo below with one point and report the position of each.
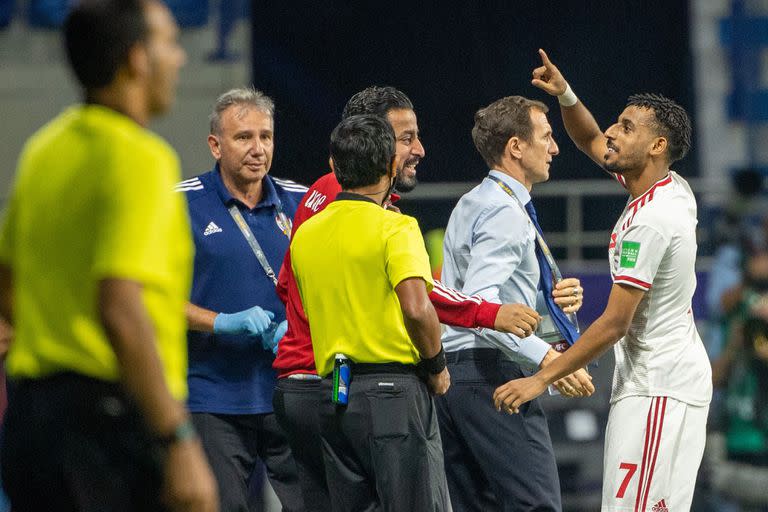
(389, 405)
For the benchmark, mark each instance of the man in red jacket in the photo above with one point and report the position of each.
(297, 396)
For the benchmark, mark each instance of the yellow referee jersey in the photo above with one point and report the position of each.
(92, 200)
(347, 261)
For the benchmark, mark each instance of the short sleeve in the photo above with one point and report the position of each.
(405, 253)
(138, 206)
(642, 248)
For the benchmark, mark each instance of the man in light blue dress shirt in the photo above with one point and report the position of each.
(495, 461)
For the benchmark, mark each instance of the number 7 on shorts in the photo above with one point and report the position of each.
(631, 468)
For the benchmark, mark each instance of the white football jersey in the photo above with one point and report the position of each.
(653, 247)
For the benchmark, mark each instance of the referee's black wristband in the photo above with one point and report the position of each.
(436, 364)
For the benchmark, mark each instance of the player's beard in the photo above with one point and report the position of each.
(614, 167)
(625, 166)
(405, 183)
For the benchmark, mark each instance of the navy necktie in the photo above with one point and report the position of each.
(564, 325)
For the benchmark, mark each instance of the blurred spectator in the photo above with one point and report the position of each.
(749, 204)
(743, 229)
(743, 215)
(742, 368)
(740, 232)
(741, 371)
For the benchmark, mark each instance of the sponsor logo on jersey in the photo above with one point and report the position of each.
(661, 506)
(211, 228)
(629, 253)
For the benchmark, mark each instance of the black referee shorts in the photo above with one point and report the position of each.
(383, 450)
(73, 443)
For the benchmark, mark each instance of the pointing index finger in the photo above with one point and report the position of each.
(544, 58)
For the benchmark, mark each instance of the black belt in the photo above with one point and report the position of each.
(372, 368)
(475, 354)
(75, 384)
(77, 393)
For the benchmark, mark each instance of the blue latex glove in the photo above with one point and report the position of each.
(275, 333)
(253, 322)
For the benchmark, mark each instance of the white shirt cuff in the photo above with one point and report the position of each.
(534, 348)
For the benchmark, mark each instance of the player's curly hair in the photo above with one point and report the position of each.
(671, 120)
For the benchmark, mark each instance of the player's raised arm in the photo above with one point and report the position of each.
(579, 123)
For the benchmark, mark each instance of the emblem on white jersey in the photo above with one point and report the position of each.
(629, 253)
(661, 506)
(211, 228)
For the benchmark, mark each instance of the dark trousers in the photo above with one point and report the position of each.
(72, 443)
(382, 451)
(296, 404)
(494, 460)
(233, 443)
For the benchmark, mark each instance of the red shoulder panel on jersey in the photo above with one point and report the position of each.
(637, 283)
(647, 196)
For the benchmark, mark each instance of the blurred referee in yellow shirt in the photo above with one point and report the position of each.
(95, 271)
(363, 276)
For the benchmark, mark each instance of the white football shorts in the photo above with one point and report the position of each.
(653, 449)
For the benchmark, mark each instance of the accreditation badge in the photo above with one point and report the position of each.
(547, 330)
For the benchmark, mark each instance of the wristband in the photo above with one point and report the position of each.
(435, 365)
(183, 432)
(568, 98)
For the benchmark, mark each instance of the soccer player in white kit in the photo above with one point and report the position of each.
(662, 384)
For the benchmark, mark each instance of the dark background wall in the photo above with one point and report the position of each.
(451, 59)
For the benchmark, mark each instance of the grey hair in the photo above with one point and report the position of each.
(240, 96)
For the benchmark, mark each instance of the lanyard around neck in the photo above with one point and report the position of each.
(556, 274)
(234, 211)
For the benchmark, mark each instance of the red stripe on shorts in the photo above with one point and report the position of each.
(663, 401)
(645, 454)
